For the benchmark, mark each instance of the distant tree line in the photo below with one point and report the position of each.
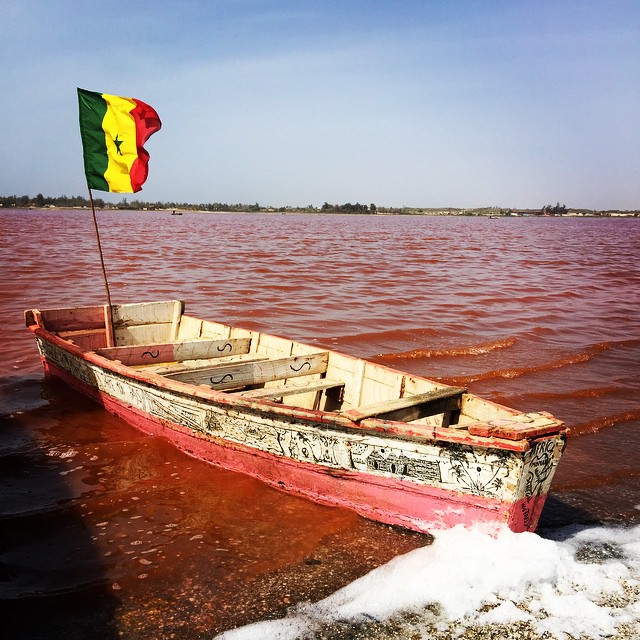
(41, 201)
(75, 202)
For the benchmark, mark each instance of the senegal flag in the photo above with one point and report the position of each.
(113, 131)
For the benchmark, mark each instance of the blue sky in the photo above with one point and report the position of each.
(401, 103)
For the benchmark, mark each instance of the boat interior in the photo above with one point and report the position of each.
(160, 338)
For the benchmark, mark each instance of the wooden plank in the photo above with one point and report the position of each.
(240, 332)
(80, 332)
(143, 334)
(126, 315)
(74, 318)
(530, 425)
(108, 323)
(88, 339)
(241, 375)
(215, 329)
(132, 355)
(411, 407)
(190, 328)
(199, 349)
(380, 382)
(176, 351)
(358, 379)
(275, 346)
(175, 320)
(291, 388)
(446, 406)
(193, 365)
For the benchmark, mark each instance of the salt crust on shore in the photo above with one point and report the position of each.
(481, 583)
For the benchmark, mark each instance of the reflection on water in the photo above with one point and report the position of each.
(107, 527)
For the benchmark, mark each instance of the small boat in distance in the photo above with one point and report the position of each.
(395, 447)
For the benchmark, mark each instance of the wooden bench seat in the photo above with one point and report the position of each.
(235, 375)
(446, 401)
(167, 368)
(133, 355)
(292, 388)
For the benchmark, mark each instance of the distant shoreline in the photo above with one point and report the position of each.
(40, 202)
(449, 212)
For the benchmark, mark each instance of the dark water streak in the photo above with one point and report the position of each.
(105, 532)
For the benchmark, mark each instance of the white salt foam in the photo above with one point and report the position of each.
(585, 581)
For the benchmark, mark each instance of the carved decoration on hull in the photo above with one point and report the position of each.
(488, 473)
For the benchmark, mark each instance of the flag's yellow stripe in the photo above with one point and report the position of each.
(119, 126)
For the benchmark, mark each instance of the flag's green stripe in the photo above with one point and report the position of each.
(92, 110)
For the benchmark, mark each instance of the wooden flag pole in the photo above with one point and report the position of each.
(108, 316)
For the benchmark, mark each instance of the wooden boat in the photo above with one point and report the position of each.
(395, 447)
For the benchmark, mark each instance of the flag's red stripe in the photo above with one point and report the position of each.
(147, 122)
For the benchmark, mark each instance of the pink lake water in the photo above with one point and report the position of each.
(107, 533)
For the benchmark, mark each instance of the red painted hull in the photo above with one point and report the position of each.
(383, 499)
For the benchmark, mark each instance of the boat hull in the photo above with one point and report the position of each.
(423, 486)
